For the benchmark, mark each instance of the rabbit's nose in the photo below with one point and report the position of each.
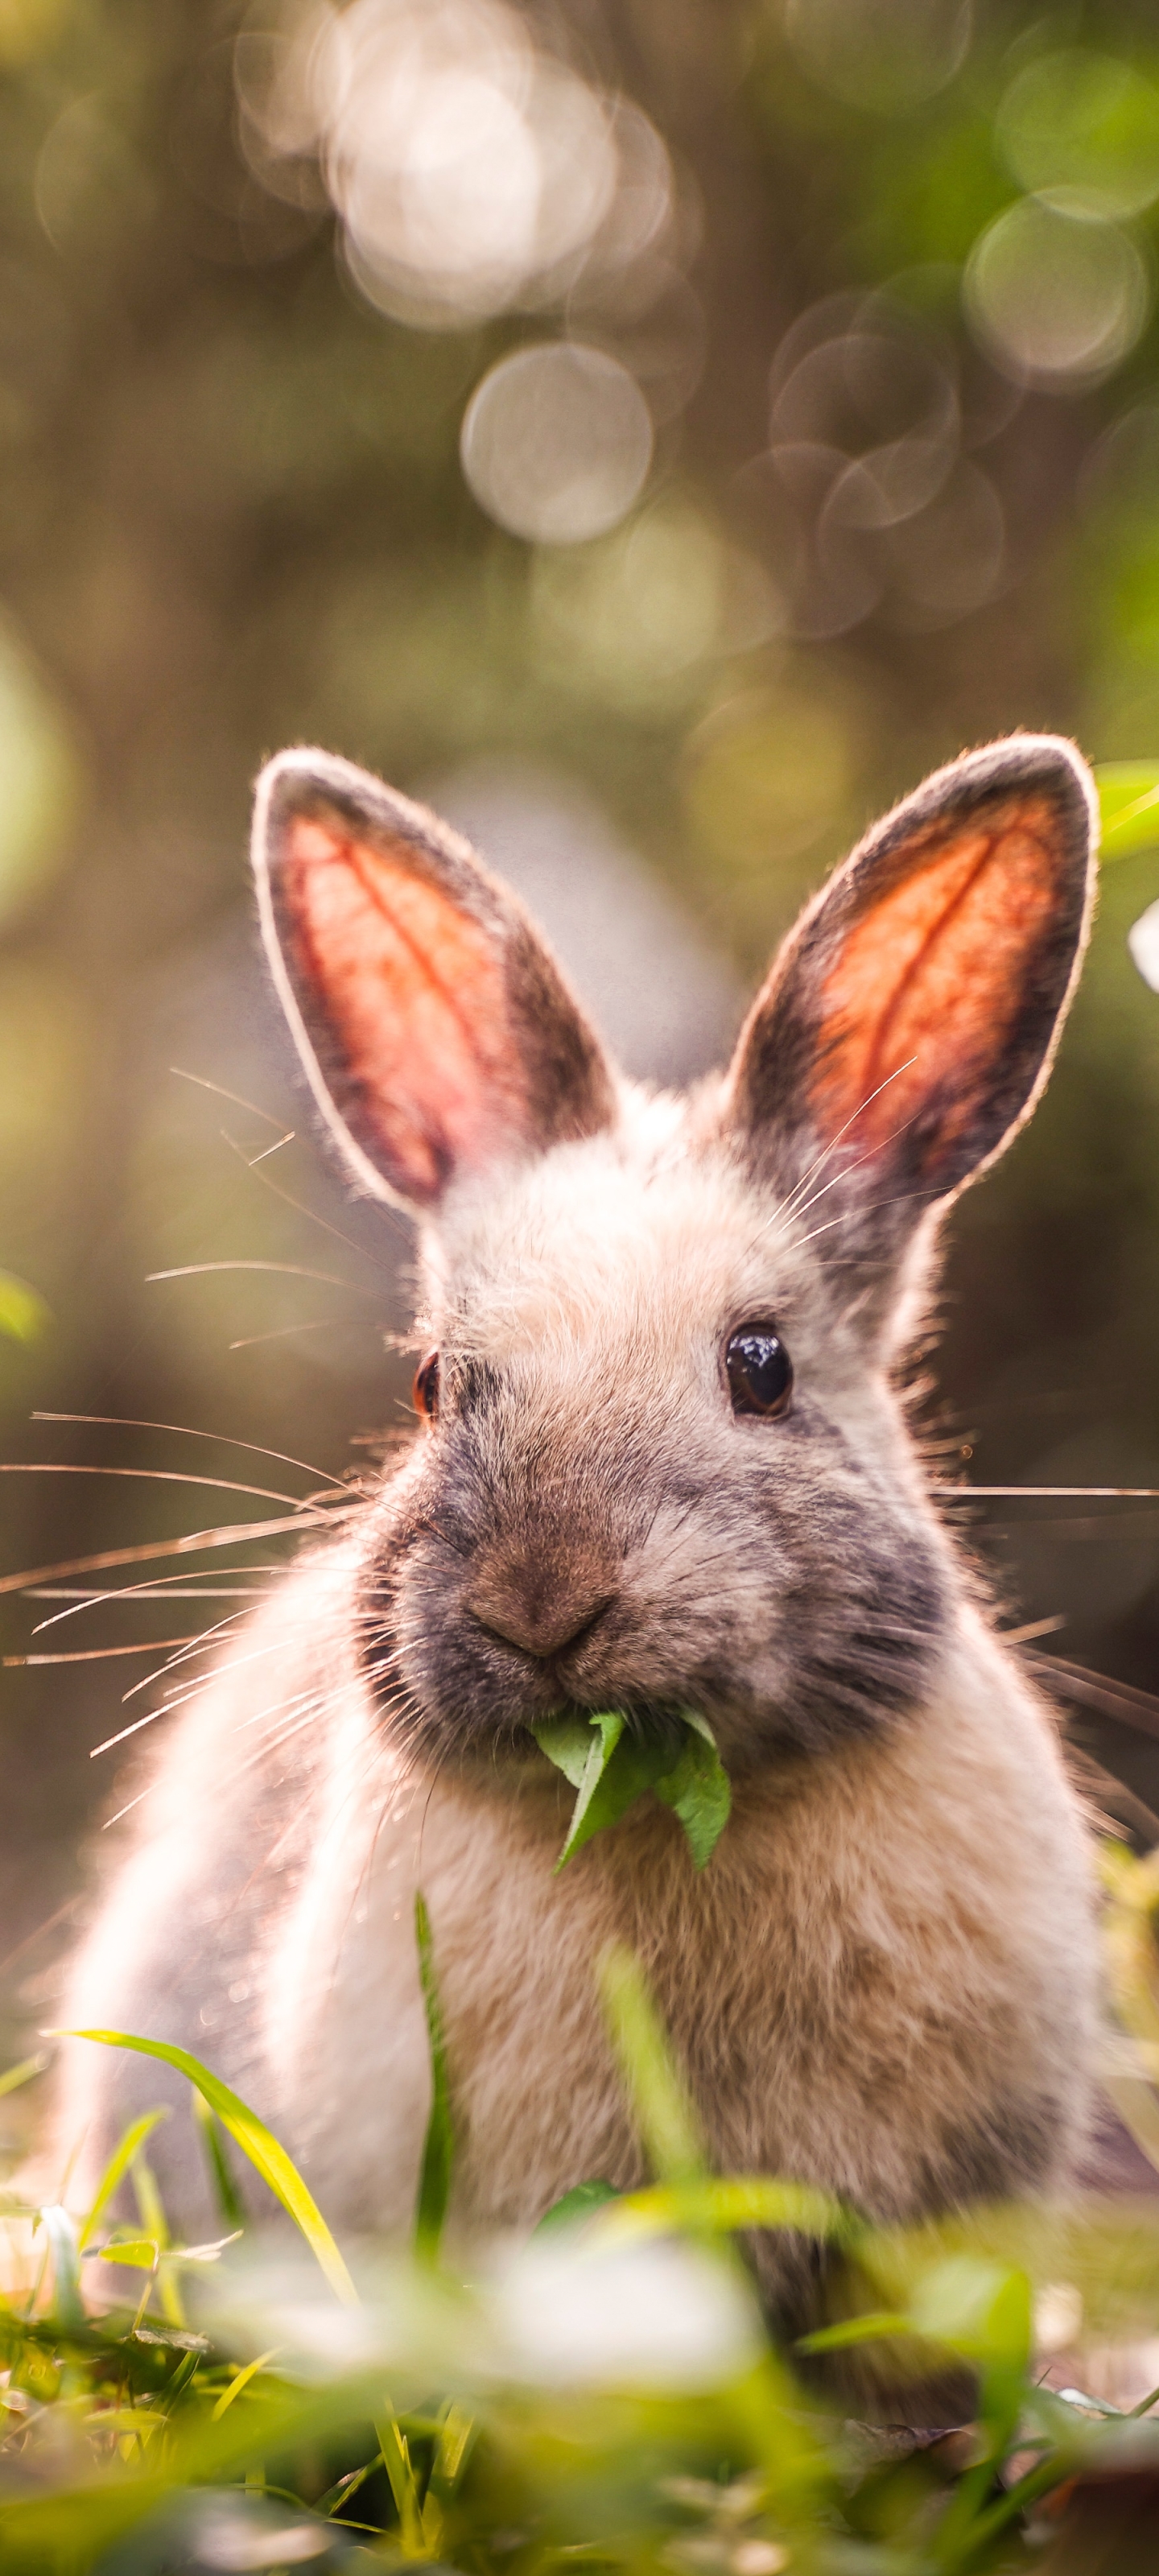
(538, 1613)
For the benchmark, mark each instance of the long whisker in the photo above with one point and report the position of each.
(153, 1476)
(161, 1588)
(855, 1166)
(281, 1333)
(233, 1535)
(823, 1157)
(98, 1654)
(189, 1431)
(252, 1160)
(298, 1205)
(204, 1084)
(284, 1269)
(848, 1215)
(188, 1647)
(1054, 1493)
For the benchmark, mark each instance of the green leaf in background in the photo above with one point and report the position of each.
(256, 2141)
(611, 1769)
(1128, 806)
(23, 1314)
(439, 2144)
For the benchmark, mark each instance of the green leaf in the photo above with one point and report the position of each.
(619, 1768)
(1128, 805)
(567, 1741)
(23, 1314)
(576, 2204)
(611, 1767)
(439, 2144)
(698, 1790)
(267, 2157)
(141, 2252)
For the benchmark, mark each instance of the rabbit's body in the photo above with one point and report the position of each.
(882, 1985)
(884, 1980)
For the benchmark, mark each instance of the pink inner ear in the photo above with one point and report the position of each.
(410, 992)
(937, 972)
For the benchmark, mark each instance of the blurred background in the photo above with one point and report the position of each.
(657, 431)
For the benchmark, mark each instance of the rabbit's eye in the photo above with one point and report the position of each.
(425, 1391)
(759, 1370)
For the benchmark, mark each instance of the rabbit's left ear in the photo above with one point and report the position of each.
(438, 1034)
(909, 1021)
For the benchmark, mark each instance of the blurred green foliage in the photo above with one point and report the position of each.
(233, 514)
(607, 2391)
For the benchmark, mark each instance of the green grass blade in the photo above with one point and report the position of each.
(725, 2204)
(668, 2126)
(225, 2190)
(118, 2165)
(439, 2143)
(1128, 806)
(66, 2298)
(156, 2225)
(23, 2074)
(576, 2204)
(267, 2157)
(855, 2330)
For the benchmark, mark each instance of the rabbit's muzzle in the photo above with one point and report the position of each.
(543, 1611)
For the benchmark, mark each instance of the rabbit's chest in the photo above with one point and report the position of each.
(855, 2009)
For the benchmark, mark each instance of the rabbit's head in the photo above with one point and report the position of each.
(662, 1464)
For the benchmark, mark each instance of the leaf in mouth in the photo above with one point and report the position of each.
(610, 1769)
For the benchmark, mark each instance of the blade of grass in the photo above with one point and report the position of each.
(667, 2123)
(722, 2205)
(23, 2074)
(66, 2298)
(127, 2146)
(225, 2190)
(1128, 806)
(156, 2225)
(266, 2155)
(242, 2381)
(576, 2204)
(439, 2143)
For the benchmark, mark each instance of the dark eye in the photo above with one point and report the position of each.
(425, 1391)
(759, 1369)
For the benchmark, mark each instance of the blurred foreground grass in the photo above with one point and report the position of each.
(606, 2392)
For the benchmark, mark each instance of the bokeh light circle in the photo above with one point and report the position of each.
(556, 443)
(886, 55)
(1054, 298)
(1085, 129)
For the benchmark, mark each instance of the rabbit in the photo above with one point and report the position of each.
(661, 1463)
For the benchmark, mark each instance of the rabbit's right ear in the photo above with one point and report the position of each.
(435, 1027)
(908, 1024)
